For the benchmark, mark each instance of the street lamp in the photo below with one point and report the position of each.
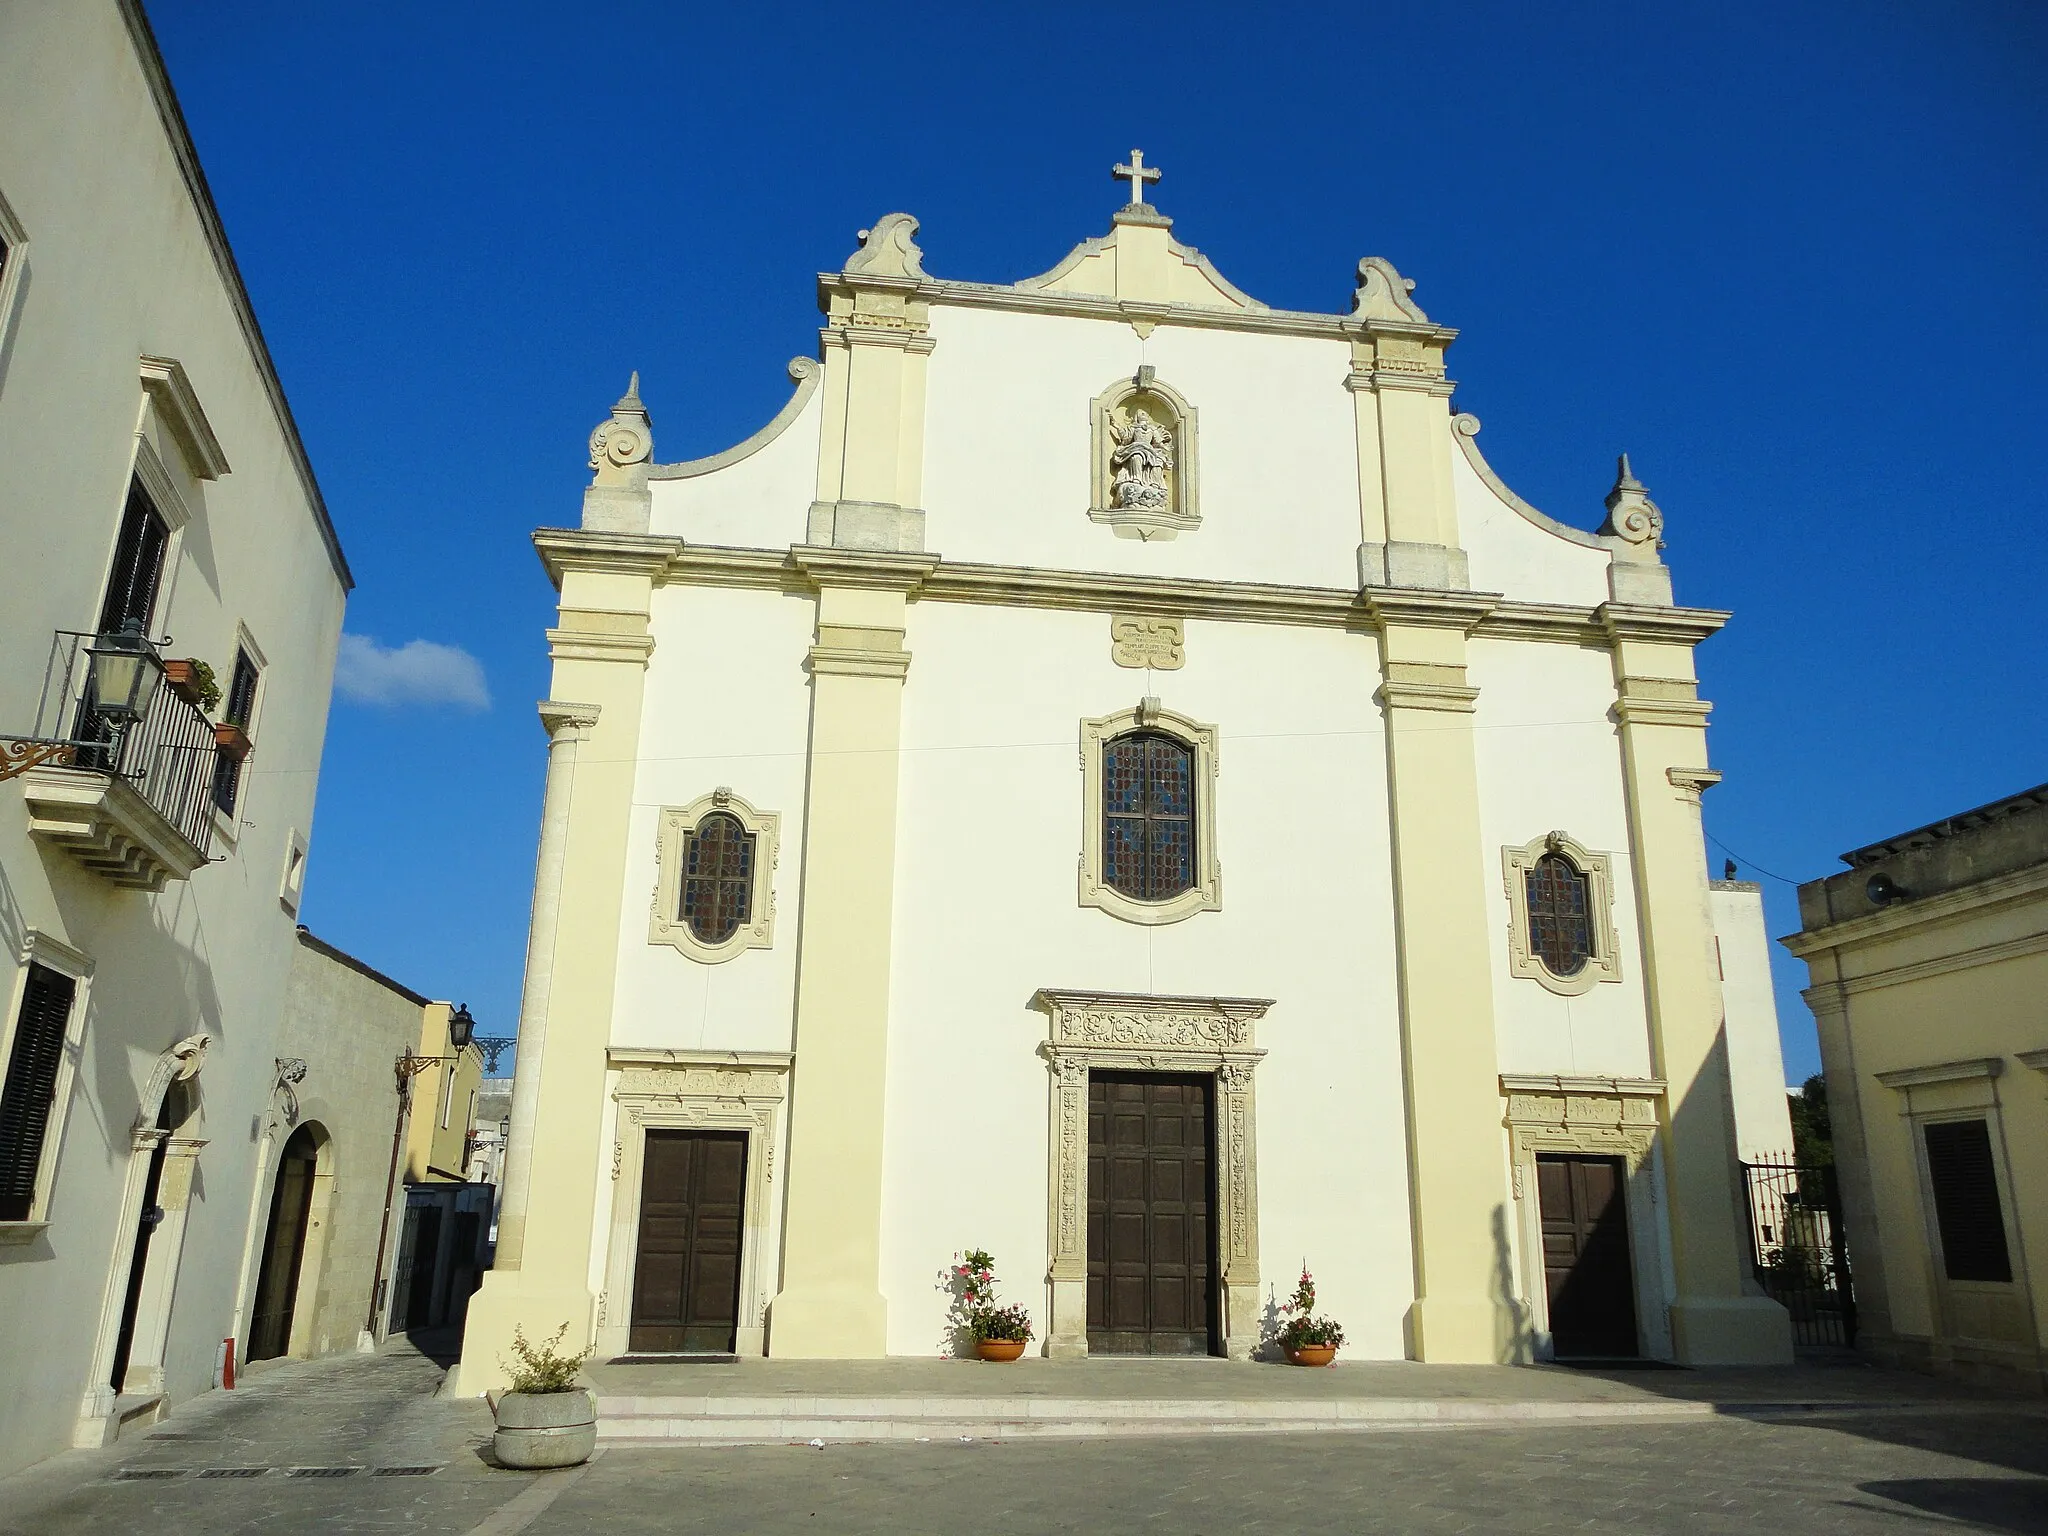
(461, 1027)
(125, 674)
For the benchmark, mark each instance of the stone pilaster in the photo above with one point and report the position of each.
(600, 649)
(831, 1305)
(1457, 1180)
(877, 338)
(1717, 1317)
(1408, 520)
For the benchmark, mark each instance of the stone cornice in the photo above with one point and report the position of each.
(1944, 1072)
(1666, 626)
(1624, 1087)
(582, 549)
(862, 568)
(1424, 608)
(1281, 322)
(1080, 1000)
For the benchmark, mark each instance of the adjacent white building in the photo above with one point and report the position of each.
(156, 505)
(1110, 775)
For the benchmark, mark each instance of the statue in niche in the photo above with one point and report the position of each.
(1140, 456)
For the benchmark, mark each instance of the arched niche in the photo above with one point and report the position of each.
(1145, 479)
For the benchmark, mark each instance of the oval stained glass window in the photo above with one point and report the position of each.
(1560, 915)
(718, 878)
(1148, 821)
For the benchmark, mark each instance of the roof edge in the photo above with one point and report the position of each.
(173, 119)
(314, 942)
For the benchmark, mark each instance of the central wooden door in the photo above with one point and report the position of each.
(1587, 1265)
(686, 1281)
(1151, 1191)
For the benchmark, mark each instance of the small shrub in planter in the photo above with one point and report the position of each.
(195, 680)
(546, 1419)
(1000, 1333)
(1307, 1338)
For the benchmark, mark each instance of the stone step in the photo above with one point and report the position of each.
(624, 1420)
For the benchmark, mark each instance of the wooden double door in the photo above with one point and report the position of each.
(686, 1279)
(1151, 1205)
(1588, 1264)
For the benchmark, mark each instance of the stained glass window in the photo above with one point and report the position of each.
(1148, 821)
(1560, 915)
(718, 877)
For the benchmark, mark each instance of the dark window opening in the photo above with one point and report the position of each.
(1560, 915)
(238, 709)
(1966, 1208)
(138, 565)
(718, 877)
(30, 1091)
(1148, 815)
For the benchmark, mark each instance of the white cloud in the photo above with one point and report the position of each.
(417, 672)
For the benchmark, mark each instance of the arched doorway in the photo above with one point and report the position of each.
(284, 1247)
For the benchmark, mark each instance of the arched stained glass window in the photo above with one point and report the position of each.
(1148, 820)
(1560, 915)
(718, 877)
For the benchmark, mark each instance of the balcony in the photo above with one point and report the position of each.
(131, 803)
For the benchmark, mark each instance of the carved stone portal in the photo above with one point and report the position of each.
(1144, 449)
(1109, 1031)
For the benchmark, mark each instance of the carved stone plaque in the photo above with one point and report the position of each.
(1138, 641)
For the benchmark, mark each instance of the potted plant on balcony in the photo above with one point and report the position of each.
(231, 739)
(1305, 1338)
(546, 1419)
(1000, 1333)
(194, 681)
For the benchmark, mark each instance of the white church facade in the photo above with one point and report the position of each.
(1109, 775)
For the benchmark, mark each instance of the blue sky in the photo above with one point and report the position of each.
(1787, 256)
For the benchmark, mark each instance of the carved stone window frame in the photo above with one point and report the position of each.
(52, 953)
(1127, 1032)
(665, 924)
(1604, 964)
(1206, 894)
(1184, 511)
(692, 1091)
(1591, 1117)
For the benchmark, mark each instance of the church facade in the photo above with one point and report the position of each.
(1109, 775)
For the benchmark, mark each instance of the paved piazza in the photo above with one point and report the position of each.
(1960, 1464)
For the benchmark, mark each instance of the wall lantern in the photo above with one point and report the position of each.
(125, 674)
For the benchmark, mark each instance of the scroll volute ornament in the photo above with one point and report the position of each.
(1633, 518)
(623, 442)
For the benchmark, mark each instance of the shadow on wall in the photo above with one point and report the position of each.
(1514, 1335)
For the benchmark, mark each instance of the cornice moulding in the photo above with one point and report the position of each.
(177, 406)
(2038, 1060)
(1668, 626)
(1950, 907)
(1944, 1072)
(621, 1056)
(1626, 1087)
(1149, 1002)
(581, 549)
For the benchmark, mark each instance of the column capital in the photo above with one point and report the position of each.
(567, 722)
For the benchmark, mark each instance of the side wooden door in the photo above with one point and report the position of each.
(686, 1278)
(1588, 1267)
(1150, 1197)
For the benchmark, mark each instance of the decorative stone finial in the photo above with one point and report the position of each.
(1633, 518)
(1384, 294)
(618, 500)
(623, 439)
(888, 250)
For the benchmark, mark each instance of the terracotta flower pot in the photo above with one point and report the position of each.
(1312, 1354)
(184, 677)
(232, 739)
(999, 1349)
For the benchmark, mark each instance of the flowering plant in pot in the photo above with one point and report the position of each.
(1000, 1332)
(546, 1419)
(1306, 1338)
(195, 680)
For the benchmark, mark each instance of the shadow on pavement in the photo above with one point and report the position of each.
(1995, 1503)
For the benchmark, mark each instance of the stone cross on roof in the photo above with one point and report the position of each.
(1137, 173)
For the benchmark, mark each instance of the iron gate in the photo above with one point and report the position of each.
(1795, 1238)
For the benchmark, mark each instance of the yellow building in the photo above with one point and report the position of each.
(444, 1099)
(1929, 962)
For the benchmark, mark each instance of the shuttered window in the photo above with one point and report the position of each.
(31, 1086)
(1966, 1207)
(138, 565)
(238, 709)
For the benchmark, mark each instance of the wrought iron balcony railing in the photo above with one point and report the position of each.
(165, 760)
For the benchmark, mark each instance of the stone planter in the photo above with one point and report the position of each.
(999, 1349)
(1311, 1354)
(545, 1429)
